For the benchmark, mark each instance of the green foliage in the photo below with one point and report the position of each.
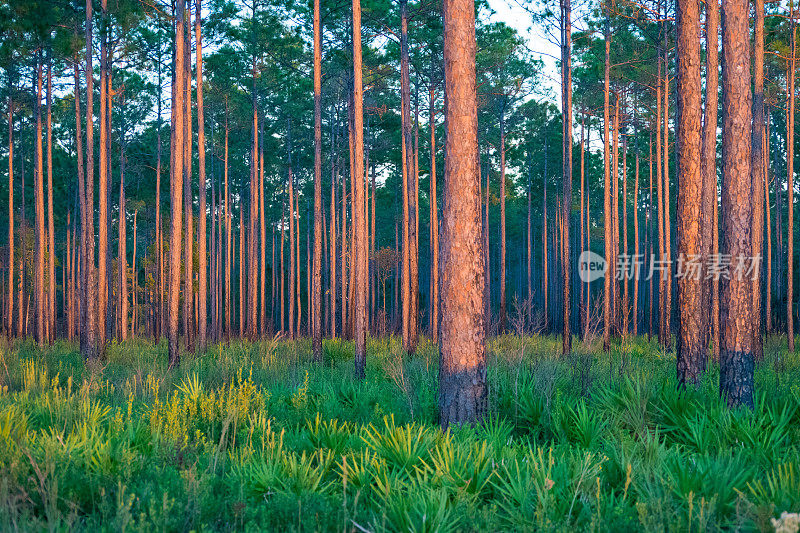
(256, 437)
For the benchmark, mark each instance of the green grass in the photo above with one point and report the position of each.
(255, 437)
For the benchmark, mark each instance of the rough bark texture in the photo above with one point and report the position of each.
(11, 265)
(51, 234)
(757, 173)
(316, 289)
(566, 112)
(38, 192)
(790, 189)
(709, 166)
(410, 266)
(462, 369)
(736, 355)
(359, 214)
(691, 356)
(202, 279)
(176, 186)
(433, 327)
(103, 324)
(608, 229)
(88, 334)
(501, 328)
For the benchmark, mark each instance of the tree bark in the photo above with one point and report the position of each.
(691, 355)
(202, 266)
(316, 289)
(736, 355)
(757, 170)
(88, 330)
(709, 171)
(176, 183)
(790, 74)
(409, 205)
(11, 264)
(51, 234)
(39, 275)
(462, 369)
(359, 220)
(566, 112)
(433, 327)
(608, 231)
(103, 325)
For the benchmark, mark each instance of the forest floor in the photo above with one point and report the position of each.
(256, 437)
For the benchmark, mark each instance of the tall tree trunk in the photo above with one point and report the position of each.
(790, 74)
(359, 220)
(635, 314)
(608, 228)
(708, 164)
(134, 279)
(176, 183)
(566, 112)
(103, 278)
(316, 289)
(241, 265)
(292, 269)
(545, 252)
(333, 250)
(188, 230)
(462, 368)
(691, 355)
(51, 234)
(11, 264)
(433, 327)
(502, 325)
(768, 223)
(122, 253)
(201, 191)
(410, 273)
(88, 330)
(736, 355)
(667, 221)
(650, 238)
(263, 236)
(39, 275)
(228, 240)
(159, 323)
(757, 169)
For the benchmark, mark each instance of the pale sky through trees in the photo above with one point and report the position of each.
(512, 13)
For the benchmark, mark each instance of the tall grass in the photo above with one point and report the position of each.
(254, 436)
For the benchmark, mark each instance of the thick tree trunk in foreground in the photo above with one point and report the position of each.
(462, 369)
(736, 355)
(691, 356)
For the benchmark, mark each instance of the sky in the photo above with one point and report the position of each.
(512, 13)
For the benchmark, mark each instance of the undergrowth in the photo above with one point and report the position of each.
(255, 436)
